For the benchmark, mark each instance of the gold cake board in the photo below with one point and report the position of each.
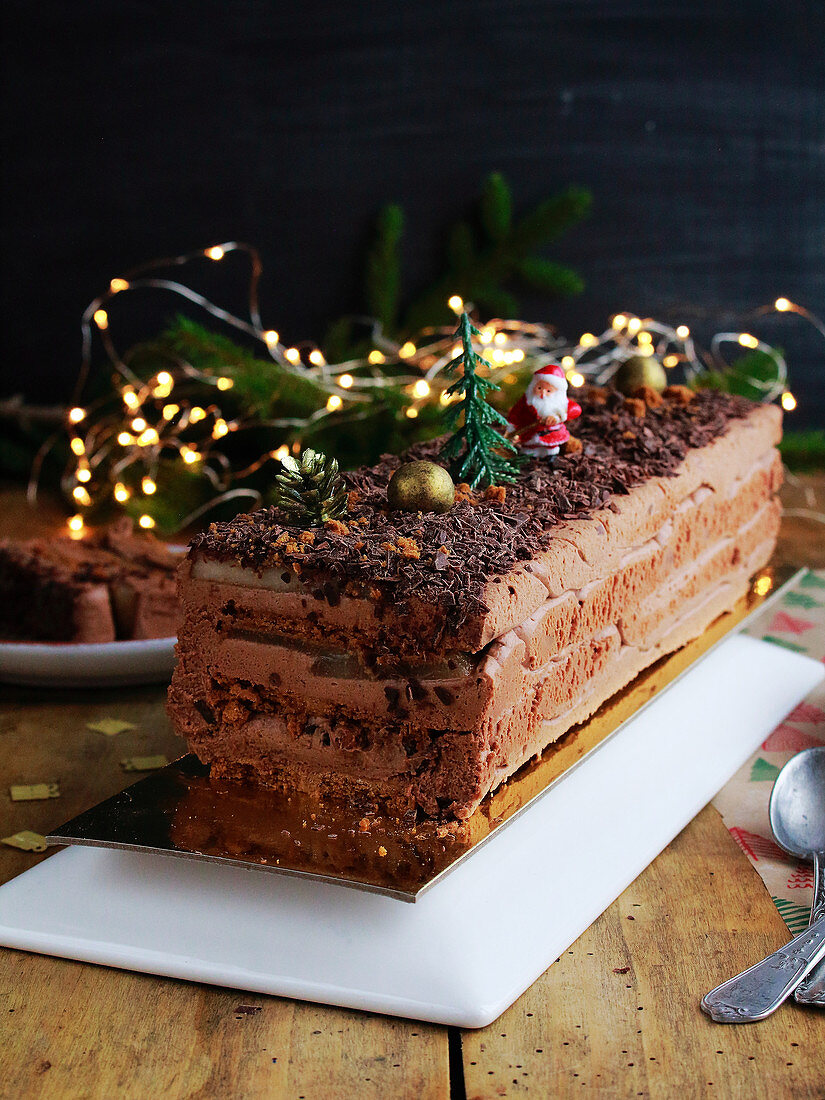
(181, 812)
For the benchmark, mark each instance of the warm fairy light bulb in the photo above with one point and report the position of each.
(101, 319)
(445, 398)
(421, 388)
(456, 303)
(146, 522)
(293, 355)
(748, 341)
(164, 378)
(788, 401)
(130, 399)
(568, 362)
(500, 338)
(518, 355)
(575, 379)
(138, 424)
(121, 493)
(456, 350)
(81, 495)
(170, 411)
(83, 474)
(782, 305)
(587, 340)
(376, 356)
(281, 452)
(116, 285)
(225, 383)
(762, 585)
(196, 413)
(148, 486)
(487, 335)
(682, 331)
(406, 350)
(271, 338)
(345, 381)
(148, 437)
(633, 325)
(189, 455)
(316, 358)
(497, 355)
(412, 412)
(334, 402)
(645, 349)
(76, 525)
(78, 446)
(671, 360)
(220, 429)
(76, 415)
(619, 321)
(644, 338)
(215, 253)
(125, 439)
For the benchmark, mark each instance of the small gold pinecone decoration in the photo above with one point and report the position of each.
(309, 490)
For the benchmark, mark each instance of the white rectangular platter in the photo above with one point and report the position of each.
(472, 944)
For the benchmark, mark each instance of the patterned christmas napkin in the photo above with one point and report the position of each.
(798, 623)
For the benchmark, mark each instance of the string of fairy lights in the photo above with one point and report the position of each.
(117, 447)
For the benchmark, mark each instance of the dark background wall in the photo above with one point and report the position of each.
(134, 129)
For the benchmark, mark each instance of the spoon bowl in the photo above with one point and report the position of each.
(797, 806)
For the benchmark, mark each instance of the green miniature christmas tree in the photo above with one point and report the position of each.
(473, 451)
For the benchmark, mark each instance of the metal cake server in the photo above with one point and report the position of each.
(797, 814)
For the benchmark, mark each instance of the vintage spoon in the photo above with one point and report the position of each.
(797, 813)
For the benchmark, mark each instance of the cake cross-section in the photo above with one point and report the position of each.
(411, 662)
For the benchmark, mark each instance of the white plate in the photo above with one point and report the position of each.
(105, 664)
(472, 944)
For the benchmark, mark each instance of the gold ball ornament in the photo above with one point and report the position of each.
(640, 370)
(421, 487)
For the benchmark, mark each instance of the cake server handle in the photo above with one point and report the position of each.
(760, 990)
(811, 990)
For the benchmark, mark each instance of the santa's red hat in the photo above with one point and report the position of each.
(552, 373)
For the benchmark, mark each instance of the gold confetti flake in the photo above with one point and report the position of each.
(33, 792)
(110, 726)
(143, 763)
(26, 840)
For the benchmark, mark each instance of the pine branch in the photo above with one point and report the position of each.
(496, 207)
(383, 277)
(479, 273)
(260, 385)
(550, 277)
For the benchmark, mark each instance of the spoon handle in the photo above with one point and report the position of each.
(759, 991)
(811, 990)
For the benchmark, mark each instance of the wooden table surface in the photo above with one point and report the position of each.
(618, 1015)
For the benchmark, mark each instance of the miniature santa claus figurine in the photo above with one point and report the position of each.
(537, 420)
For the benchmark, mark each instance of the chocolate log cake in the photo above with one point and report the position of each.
(416, 660)
(112, 585)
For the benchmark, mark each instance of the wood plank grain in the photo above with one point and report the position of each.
(619, 1012)
(72, 1030)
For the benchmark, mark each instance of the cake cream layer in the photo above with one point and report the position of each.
(449, 772)
(706, 538)
(581, 552)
